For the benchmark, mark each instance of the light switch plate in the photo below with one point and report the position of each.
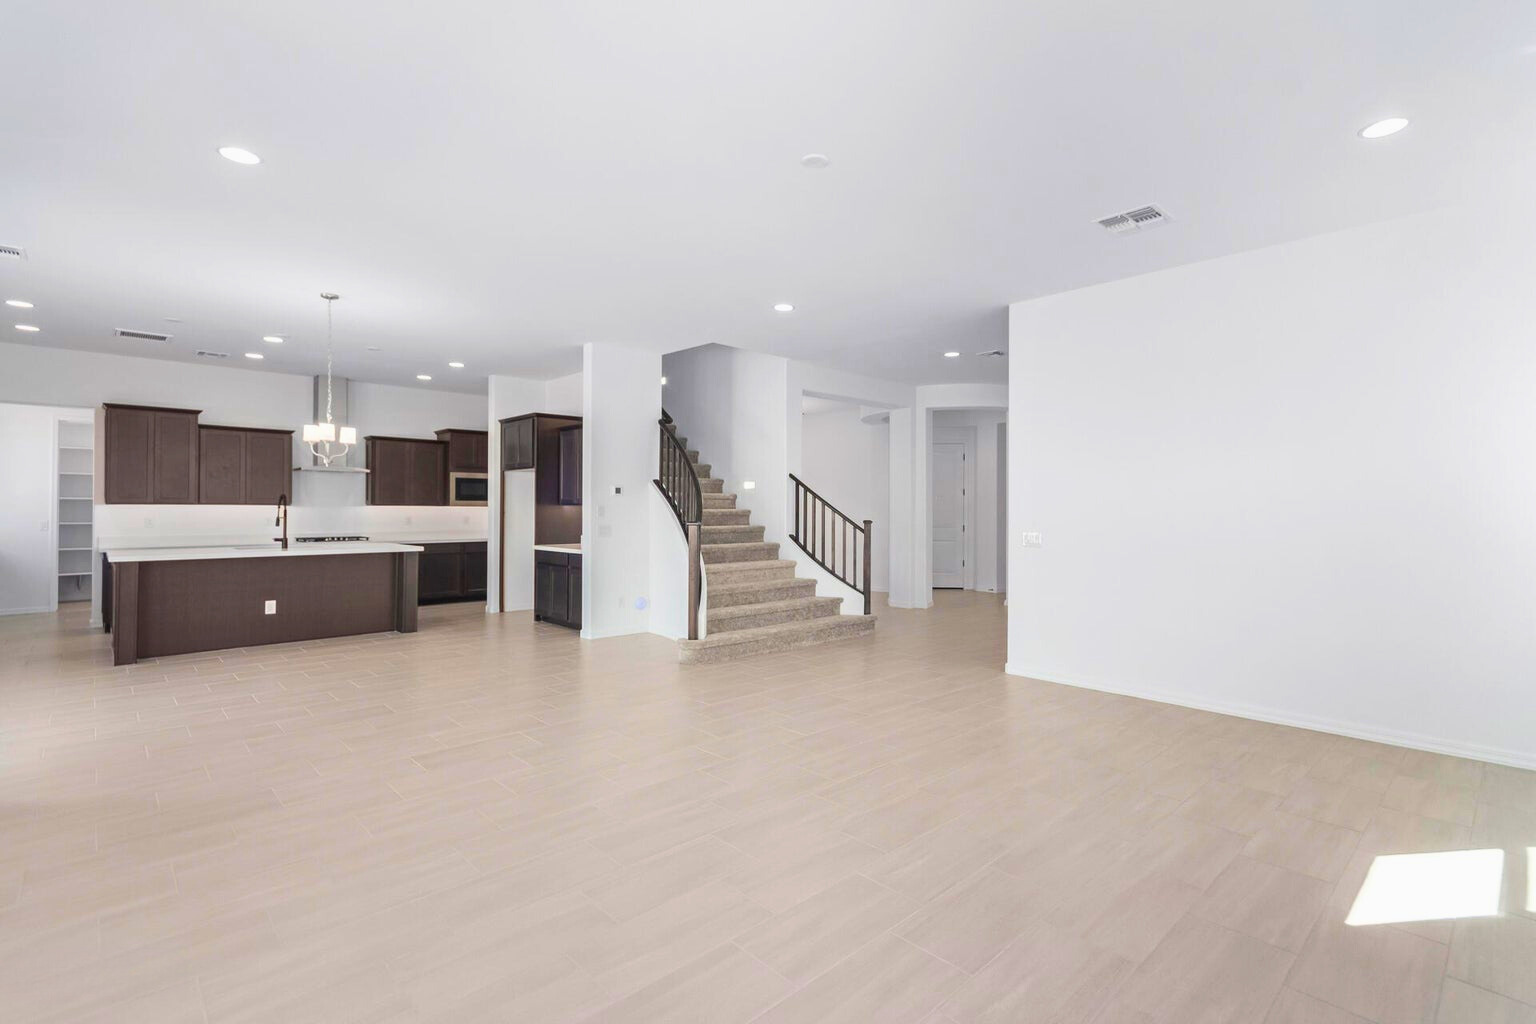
(271, 608)
(1032, 540)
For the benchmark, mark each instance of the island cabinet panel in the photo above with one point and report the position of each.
(466, 450)
(175, 607)
(150, 455)
(239, 466)
(474, 569)
(406, 471)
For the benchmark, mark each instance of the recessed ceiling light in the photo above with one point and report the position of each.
(423, 376)
(238, 155)
(273, 339)
(1381, 129)
(254, 355)
(783, 307)
(951, 355)
(815, 161)
(456, 366)
(28, 328)
(18, 303)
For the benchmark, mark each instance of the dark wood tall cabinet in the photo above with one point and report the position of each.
(149, 455)
(244, 466)
(517, 448)
(406, 471)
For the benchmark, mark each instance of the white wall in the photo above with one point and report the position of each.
(28, 497)
(1297, 484)
(848, 462)
(988, 501)
(511, 396)
(621, 403)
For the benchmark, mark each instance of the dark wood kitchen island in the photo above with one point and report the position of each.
(162, 601)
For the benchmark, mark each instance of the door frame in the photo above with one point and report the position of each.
(966, 438)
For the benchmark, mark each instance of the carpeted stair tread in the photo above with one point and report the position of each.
(752, 551)
(719, 500)
(731, 533)
(737, 572)
(737, 643)
(723, 594)
(727, 517)
(767, 613)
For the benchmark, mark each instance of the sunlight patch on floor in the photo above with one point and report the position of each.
(1429, 887)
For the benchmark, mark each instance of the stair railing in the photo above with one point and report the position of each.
(833, 541)
(678, 482)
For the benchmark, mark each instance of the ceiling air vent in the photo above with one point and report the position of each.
(205, 354)
(996, 353)
(1132, 221)
(12, 252)
(123, 332)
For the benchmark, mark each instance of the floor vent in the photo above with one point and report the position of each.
(12, 252)
(205, 354)
(123, 332)
(1132, 221)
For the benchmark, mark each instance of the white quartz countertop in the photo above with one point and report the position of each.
(428, 538)
(570, 549)
(270, 550)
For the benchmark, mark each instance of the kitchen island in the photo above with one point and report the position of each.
(162, 601)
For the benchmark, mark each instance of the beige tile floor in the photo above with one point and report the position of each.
(493, 821)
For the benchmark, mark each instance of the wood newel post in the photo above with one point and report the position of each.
(694, 581)
(869, 531)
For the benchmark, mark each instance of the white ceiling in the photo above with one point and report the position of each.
(499, 183)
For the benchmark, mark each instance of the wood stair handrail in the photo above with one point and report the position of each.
(678, 482)
(833, 534)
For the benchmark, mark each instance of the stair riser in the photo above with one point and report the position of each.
(721, 501)
(727, 517)
(714, 554)
(702, 468)
(738, 534)
(819, 610)
(847, 626)
(770, 590)
(713, 485)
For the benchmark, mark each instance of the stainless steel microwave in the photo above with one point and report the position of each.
(468, 488)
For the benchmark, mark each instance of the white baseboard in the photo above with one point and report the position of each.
(25, 611)
(1353, 730)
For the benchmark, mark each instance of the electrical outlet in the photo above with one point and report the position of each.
(1032, 540)
(271, 608)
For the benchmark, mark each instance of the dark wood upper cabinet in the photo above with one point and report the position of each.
(268, 466)
(150, 455)
(517, 450)
(406, 471)
(466, 450)
(244, 466)
(570, 465)
(221, 466)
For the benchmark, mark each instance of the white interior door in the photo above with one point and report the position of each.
(948, 507)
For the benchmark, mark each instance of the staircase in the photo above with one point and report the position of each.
(755, 602)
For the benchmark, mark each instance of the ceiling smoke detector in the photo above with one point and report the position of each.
(123, 332)
(12, 252)
(1132, 221)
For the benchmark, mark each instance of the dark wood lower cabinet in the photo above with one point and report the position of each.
(557, 588)
(452, 572)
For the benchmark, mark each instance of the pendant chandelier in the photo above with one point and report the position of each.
(328, 441)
